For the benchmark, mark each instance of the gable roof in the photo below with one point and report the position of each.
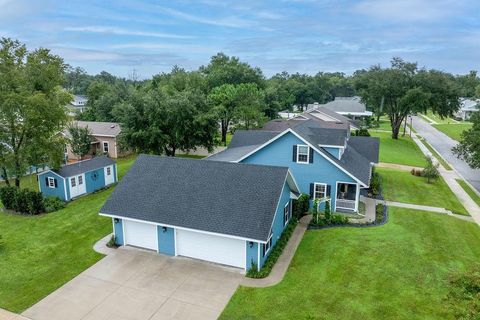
(345, 104)
(356, 164)
(368, 147)
(109, 129)
(84, 166)
(219, 197)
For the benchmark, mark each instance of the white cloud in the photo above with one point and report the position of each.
(121, 31)
(407, 10)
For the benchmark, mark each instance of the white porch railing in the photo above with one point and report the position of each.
(346, 204)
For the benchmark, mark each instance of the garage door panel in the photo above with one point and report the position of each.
(141, 235)
(212, 248)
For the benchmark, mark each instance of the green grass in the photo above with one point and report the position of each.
(438, 119)
(401, 186)
(475, 197)
(41, 253)
(396, 271)
(402, 151)
(454, 131)
(436, 155)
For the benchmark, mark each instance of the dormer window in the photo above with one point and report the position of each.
(303, 153)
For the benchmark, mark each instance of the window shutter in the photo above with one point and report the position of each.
(55, 180)
(294, 153)
(46, 181)
(329, 190)
(311, 190)
(310, 160)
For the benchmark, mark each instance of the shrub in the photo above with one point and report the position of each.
(52, 204)
(338, 219)
(328, 214)
(36, 204)
(431, 170)
(28, 202)
(301, 205)
(374, 188)
(379, 212)
(363, 132)
(275, 253)
(111, 243)
(7, 196)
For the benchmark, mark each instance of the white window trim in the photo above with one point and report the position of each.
(72, 179)
(308, 153)
(108, 171)
(287, 216)
(80, 178)
(103, 146)
(51, 182)
(315, 188)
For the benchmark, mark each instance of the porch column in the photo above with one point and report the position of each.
(357, 196)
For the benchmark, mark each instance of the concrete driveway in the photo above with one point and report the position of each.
(135, 284)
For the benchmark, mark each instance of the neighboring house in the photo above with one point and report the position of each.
(351, 107)
(326, 162)
(467, 108)
(79, 178)
(78, 104)
(226, 213)
(104, 139)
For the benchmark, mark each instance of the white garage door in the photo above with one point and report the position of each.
(211, 248)
(140, 234)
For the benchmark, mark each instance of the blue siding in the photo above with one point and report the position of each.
(278, 225)
(279, 153)
(252, 254)
(59, 191)
(118, 227)
(166, 241)
(115, 172)
(334, 152)
(92, 183)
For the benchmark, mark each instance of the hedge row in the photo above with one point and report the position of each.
(27, 201)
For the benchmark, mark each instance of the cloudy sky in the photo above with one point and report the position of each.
(304, 36)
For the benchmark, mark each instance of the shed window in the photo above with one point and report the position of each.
(73, 182)
(105, 146)
(80, 180)
(51, 182)
(109, 171)
(302, 153)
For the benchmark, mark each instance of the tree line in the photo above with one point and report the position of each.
(182, 109)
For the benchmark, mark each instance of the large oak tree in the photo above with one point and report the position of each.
(32, 108)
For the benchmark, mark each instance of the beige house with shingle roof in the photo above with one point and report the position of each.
(104, 139)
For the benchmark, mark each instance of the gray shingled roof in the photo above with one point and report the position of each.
(317, 135)
(334, 115)
(368, 147)
(84, 166)
(220, 197)
(345, 104)
(98, 128)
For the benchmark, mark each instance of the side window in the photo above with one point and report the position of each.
(109, 171)
(320, 191)
(80, 180)
(105, 146)
(286, 213)
(267, 246)
(303, 153)
(73, 183)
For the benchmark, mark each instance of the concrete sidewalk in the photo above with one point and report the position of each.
(449, 176)
(281, 266)
(7, 315)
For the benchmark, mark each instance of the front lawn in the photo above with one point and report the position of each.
(435, 117)
(454, 131)
(475, 197)
(41, 253)
(402, 151)
(401, 186)
(396, 271)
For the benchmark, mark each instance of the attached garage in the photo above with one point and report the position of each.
(142, 235)
(211, 248)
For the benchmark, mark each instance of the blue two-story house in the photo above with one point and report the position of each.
(78, 178)
(326, 162)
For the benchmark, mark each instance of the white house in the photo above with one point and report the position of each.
(467, 107)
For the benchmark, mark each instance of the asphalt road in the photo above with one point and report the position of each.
(444, 144)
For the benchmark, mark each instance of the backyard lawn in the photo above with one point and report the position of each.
(454, 131)
(40, 253)
(396, 271)
(401, 151)
(401, 186)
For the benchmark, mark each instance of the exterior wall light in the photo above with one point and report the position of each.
(164, 229)
(116, 220)
(250, 244)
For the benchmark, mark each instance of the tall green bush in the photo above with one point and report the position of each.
(7, 196)
(301, 205)
(328, 213)
(22, 200)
